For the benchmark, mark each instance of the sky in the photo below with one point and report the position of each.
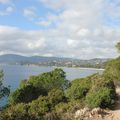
(83, 29)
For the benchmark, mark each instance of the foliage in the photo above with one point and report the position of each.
(102, 93)
(95, 89)
(39, 107)
(112, 70)
(79, 88)
(50, 96)
(4, 91)
(118, 46)
(39, 85)
(17, 112)
(50, 80)
(100, 98)
(55, 96)
(25, 94)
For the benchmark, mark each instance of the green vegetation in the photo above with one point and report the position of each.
(36, 100)
(39, 85)
(49, 96)
(95, 90)
(78, 88)
(4, 91)
(118, 46)
(112, 70)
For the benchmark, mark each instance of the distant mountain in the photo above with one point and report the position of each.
(52, 61)
(8, 58)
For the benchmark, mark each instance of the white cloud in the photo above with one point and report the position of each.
(44, 23)
(80, 31)
(55, 43)
(29, 12)
(16, 40)
(5, 1)
(7, 11)
(72, 43)
(83, 32)
(36, 44)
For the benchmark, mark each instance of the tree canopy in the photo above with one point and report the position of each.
(4, 91)
(118, 46)
(39, 85)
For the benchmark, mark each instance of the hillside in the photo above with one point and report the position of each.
(51, 61)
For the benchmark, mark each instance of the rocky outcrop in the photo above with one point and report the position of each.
(90, 114)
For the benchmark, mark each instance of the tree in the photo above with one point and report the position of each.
(100, 98)
(55, 96)
(112, 70)
(50, 80)
(26, 94)
(118, 46)
(78, 88)
(4, 91)
(102, 93)
(39, 85)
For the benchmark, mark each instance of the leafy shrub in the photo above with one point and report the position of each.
(4, 91)
(39, 107)
(112, 70)
(50, 80)
(102, 93)
(78, 88)
(45, 97)
(100, 98)
(96, 90)
(39, 85)
(56, 96)
(17, 112)
(26, 94)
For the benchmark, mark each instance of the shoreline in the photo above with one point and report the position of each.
(30, 65)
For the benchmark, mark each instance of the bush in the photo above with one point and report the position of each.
(39, 107)
(100, 98)
(39, 85)
(56, 96)
(17, 112)
(78, 88)
(102, 93)
(57, 102)
(25, 94)
(112, 70)
(55, 79)
(96, 90)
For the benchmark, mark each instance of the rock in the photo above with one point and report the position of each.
(96, 111)
(82, 112)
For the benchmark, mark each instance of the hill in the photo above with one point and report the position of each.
(50, 61)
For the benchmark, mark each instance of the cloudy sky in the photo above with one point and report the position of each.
(64, 28)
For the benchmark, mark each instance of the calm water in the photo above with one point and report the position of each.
(13, 74)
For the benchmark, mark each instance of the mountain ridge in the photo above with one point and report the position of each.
(50, 61)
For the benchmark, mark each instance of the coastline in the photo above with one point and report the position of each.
(30, 65)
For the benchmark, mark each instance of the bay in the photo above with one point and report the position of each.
(13, 74)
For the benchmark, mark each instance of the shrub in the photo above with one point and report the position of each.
(39, 85)
(25, 94)
(17, 112)
(102, 93)
(56, 96)
(55, 79)
(112, 70)
(100, 98)
(39, 107)
(78, 88)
